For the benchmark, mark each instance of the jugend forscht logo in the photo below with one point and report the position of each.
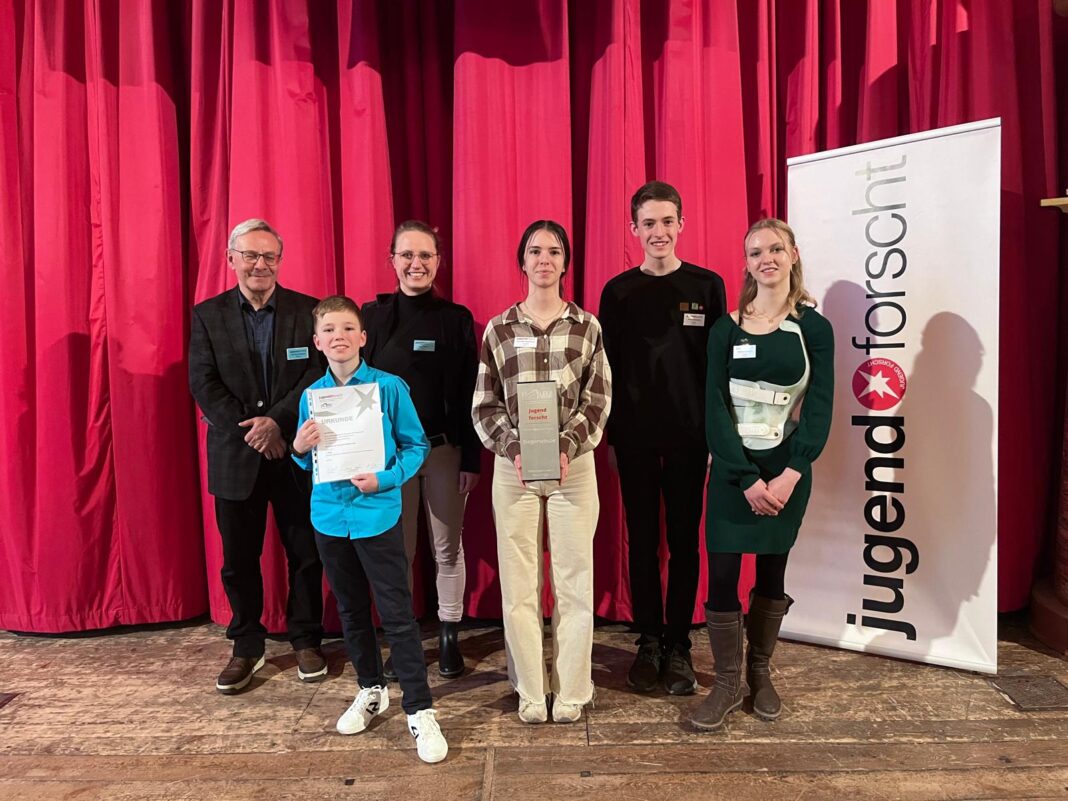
(879, 384)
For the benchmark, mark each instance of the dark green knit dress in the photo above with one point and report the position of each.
(730, 525)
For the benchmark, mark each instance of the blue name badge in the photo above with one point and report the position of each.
(296, 353)
(424, 345)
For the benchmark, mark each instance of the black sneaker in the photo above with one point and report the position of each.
(678, 671)
(388, 673)
(645, 671)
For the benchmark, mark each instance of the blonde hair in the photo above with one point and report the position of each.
(336, 303)
(798, 294)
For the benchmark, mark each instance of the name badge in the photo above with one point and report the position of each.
(745, 351)
(424, 345)
(296, 353)
(526, 342)
(693, 319)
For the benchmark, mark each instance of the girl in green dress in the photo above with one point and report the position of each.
(770, 389)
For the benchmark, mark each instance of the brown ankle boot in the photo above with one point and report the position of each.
(762, 629)
(725, 637)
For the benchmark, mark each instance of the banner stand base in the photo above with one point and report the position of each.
(1049, 617)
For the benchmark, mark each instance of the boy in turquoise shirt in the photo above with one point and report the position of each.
(359, 537)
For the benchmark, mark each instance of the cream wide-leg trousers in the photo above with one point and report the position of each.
(571, 511)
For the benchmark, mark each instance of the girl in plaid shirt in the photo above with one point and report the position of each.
(545, 338)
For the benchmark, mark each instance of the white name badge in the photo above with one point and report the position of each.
(424, 345)
(745, 351)
(296, 353)
(526, 342)
(693, 319)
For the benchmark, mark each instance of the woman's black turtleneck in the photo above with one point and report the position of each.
(430, 343)
(413, 315)
(410, 305)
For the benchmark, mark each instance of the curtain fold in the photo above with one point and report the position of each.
(608, 164)
(135, 135)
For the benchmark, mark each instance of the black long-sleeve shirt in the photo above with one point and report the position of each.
(430, 343)
(655, 335)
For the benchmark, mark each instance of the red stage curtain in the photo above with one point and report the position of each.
(135, 135)
(99, 511)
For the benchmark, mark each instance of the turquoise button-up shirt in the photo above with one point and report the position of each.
(338, 508)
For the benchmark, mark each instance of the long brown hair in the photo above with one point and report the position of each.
(798, 294)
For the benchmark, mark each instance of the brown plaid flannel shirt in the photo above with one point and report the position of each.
(571, 353)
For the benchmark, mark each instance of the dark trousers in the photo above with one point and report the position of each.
(356, 569)
(679, 475)
(725, 568)
(242, 525)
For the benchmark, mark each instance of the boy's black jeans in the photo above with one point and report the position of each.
(356, 569)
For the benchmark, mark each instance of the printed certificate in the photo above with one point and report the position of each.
(350, 429)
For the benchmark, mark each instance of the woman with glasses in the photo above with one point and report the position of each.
(545, 339)
(430, 342)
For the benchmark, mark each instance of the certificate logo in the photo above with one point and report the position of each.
(879, 384)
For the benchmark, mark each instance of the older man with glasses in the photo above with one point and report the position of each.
(250, 357)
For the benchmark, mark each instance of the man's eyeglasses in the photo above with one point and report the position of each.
(408, 256)
(251, 257)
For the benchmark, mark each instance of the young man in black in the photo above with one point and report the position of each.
(656, 319)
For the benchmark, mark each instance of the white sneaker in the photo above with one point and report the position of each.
(532, 711)
(569, 713)
(566, 713)
(429, 741)
(370, 701)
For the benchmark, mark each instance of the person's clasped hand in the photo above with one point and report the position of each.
(761, 500)
(265, 436)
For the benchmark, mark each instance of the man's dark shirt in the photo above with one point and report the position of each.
(259, 326)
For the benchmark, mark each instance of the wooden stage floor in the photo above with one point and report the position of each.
(134, 715)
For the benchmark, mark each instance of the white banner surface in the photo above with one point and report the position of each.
(898, 552)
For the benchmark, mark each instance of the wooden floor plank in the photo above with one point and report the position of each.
(235, 767)
(382, 735)
(511, 761)
(785, 731)
(770, 786)
(453, 788)
(799, 758)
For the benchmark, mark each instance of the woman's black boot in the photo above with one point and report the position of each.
(450, 660)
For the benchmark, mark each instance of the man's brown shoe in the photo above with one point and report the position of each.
(311, 666)
(237, 674)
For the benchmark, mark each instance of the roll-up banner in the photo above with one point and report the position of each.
(898, 552)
